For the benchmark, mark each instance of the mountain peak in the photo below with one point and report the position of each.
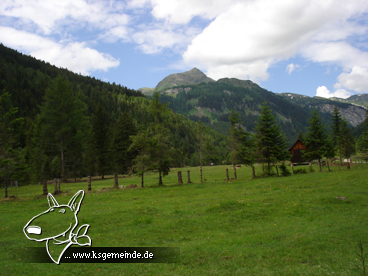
(193, 76)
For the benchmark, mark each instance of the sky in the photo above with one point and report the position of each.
(314, 48)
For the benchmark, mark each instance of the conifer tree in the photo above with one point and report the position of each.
(61, 119)
(100, 140)
(201, 137)
(346, 144)
(124, 130)
(316, 139)
(142, 143)
(363, 140)
(300, 136)
(9, 155)
(271, 142)
(336, 121)
(241, 144)
(161, 144)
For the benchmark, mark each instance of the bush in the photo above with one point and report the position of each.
(300, 171)
(284, 170)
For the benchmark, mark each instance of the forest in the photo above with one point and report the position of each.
(57, 124)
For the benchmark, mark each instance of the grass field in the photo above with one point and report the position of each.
(269, 226)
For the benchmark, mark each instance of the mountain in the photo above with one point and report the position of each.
(212, 102)
(359, 100)
(193, 76)
(354, 114)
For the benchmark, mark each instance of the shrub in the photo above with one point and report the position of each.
(284, 170)
(300, 171)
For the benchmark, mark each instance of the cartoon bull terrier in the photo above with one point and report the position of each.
(57, 227)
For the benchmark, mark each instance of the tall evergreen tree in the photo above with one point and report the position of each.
(100, 140)
(336, 121)
(161, 144)
(346, 144)
(363, 140)
(122, 139)
(316, 140)
(201, 137)
(142, 143)
(300, 136)
(271, 142)
(241, 144)
(9, 155)
(61, 119)
(36, 153)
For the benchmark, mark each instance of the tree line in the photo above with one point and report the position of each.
(55, 123)
(63, 141)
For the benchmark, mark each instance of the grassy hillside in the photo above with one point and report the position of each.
(274, 226)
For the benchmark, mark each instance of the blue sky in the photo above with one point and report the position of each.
(306, 47)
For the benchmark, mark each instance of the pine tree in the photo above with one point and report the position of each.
(9, 155)
(363, 140)
(100, 140)
(346, 144)
(61, 119)
(241, 144)
(201, 137)
(122, 139)
(336, 121)
(271, 142)
(300, 136)
(142, 143)
(161, 144)
(316, 140)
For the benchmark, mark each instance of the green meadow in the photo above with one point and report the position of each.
(292, 225)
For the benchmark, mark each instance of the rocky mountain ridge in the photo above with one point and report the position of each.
(212, 101)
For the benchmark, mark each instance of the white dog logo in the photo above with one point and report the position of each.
(57, 227)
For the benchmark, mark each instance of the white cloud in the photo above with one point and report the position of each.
(264, 32)
(259, 31)
(226, 38)
(256, 71)
(291, 67)
(322, 91)
(356, 80)
(340, 53)
(75, 56)
(155, 40)
(53, 16)
(182, 11)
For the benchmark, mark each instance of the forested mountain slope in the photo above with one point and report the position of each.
(35, 88)
(26, 79)
(212, 102)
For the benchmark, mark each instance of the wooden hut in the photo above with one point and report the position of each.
(296, 152)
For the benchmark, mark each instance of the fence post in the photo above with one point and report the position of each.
(180, 180)
(6, 189)
(253, 173)
(227, 174)
(277, 170)
(55, 187)
(189, 177)
(116, 184)
(292, 167)
(59, 181)
(45, 192)
(89, 184)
